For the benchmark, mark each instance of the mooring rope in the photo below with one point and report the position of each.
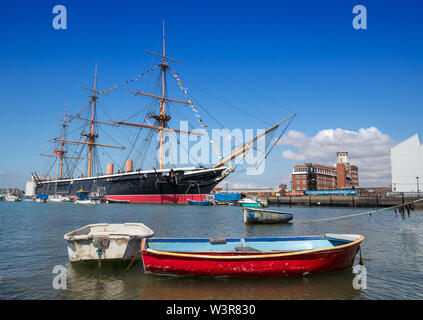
(133, 259)
(361, 213)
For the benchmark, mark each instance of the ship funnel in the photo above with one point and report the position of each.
(109, 168)
(129, 166)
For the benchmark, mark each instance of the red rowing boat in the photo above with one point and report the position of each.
(250, 257)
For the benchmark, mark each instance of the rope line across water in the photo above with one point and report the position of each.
(360, 214)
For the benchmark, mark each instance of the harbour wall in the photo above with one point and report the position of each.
(341, 201)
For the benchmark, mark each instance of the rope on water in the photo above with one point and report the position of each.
(361, 213)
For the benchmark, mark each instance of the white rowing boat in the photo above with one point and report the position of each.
(104, 241)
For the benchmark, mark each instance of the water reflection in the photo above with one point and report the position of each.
(86, 281)
(337, 285)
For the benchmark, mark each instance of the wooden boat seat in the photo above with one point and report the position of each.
(246, 249)
(217, 241)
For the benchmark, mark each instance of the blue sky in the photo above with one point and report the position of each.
(271, 58)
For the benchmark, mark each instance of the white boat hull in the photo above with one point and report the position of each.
(252, 203)
(12, 198)
(59, 199)
(117, 241)
(118, 248)
(56, 200)
(89, 201)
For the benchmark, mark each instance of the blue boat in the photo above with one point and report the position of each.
(198, 203)
(41, 198)
(227, 196)
(253, 215)
(83, 197)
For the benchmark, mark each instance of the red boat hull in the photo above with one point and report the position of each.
(269, 265)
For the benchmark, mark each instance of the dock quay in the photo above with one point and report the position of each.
(341, 201)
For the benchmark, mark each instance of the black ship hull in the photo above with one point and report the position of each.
(153, 186)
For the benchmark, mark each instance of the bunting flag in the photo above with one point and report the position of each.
(193, 108)
(139, 76)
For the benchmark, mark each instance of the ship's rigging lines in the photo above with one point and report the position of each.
(160, 126)
(246, 146)
(60, 154)
(140, 125)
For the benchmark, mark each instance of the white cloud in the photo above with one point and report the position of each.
(2, 172)
(368, 148)
(288, 154)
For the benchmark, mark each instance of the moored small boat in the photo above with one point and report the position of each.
(82, 197)
(59, 198)
(88, 201)
(250, 257)
(41, 198)
(256, 215)
(251, 203)
(106, 241)
(107, 200)
(199, 203)
(12, 197)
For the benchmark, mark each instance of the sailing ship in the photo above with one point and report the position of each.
(156, 185)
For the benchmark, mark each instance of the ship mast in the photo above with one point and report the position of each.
(62, 145)
(61, 153)
(91, 136)
(162, 118)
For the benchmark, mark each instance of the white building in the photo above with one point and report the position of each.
(30, 188)
(407, 166)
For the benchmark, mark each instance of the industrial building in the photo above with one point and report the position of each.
(407, 165)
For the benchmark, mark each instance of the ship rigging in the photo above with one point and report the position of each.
(156, 185)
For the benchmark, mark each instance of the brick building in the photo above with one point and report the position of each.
(347, 174)
(312, 176)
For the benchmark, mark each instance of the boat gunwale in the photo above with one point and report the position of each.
(71, 235)
(267, 210)
(254, 256)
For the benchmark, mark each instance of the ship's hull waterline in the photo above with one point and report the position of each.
(153, 186)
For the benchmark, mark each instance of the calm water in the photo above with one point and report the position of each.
(31, 244)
